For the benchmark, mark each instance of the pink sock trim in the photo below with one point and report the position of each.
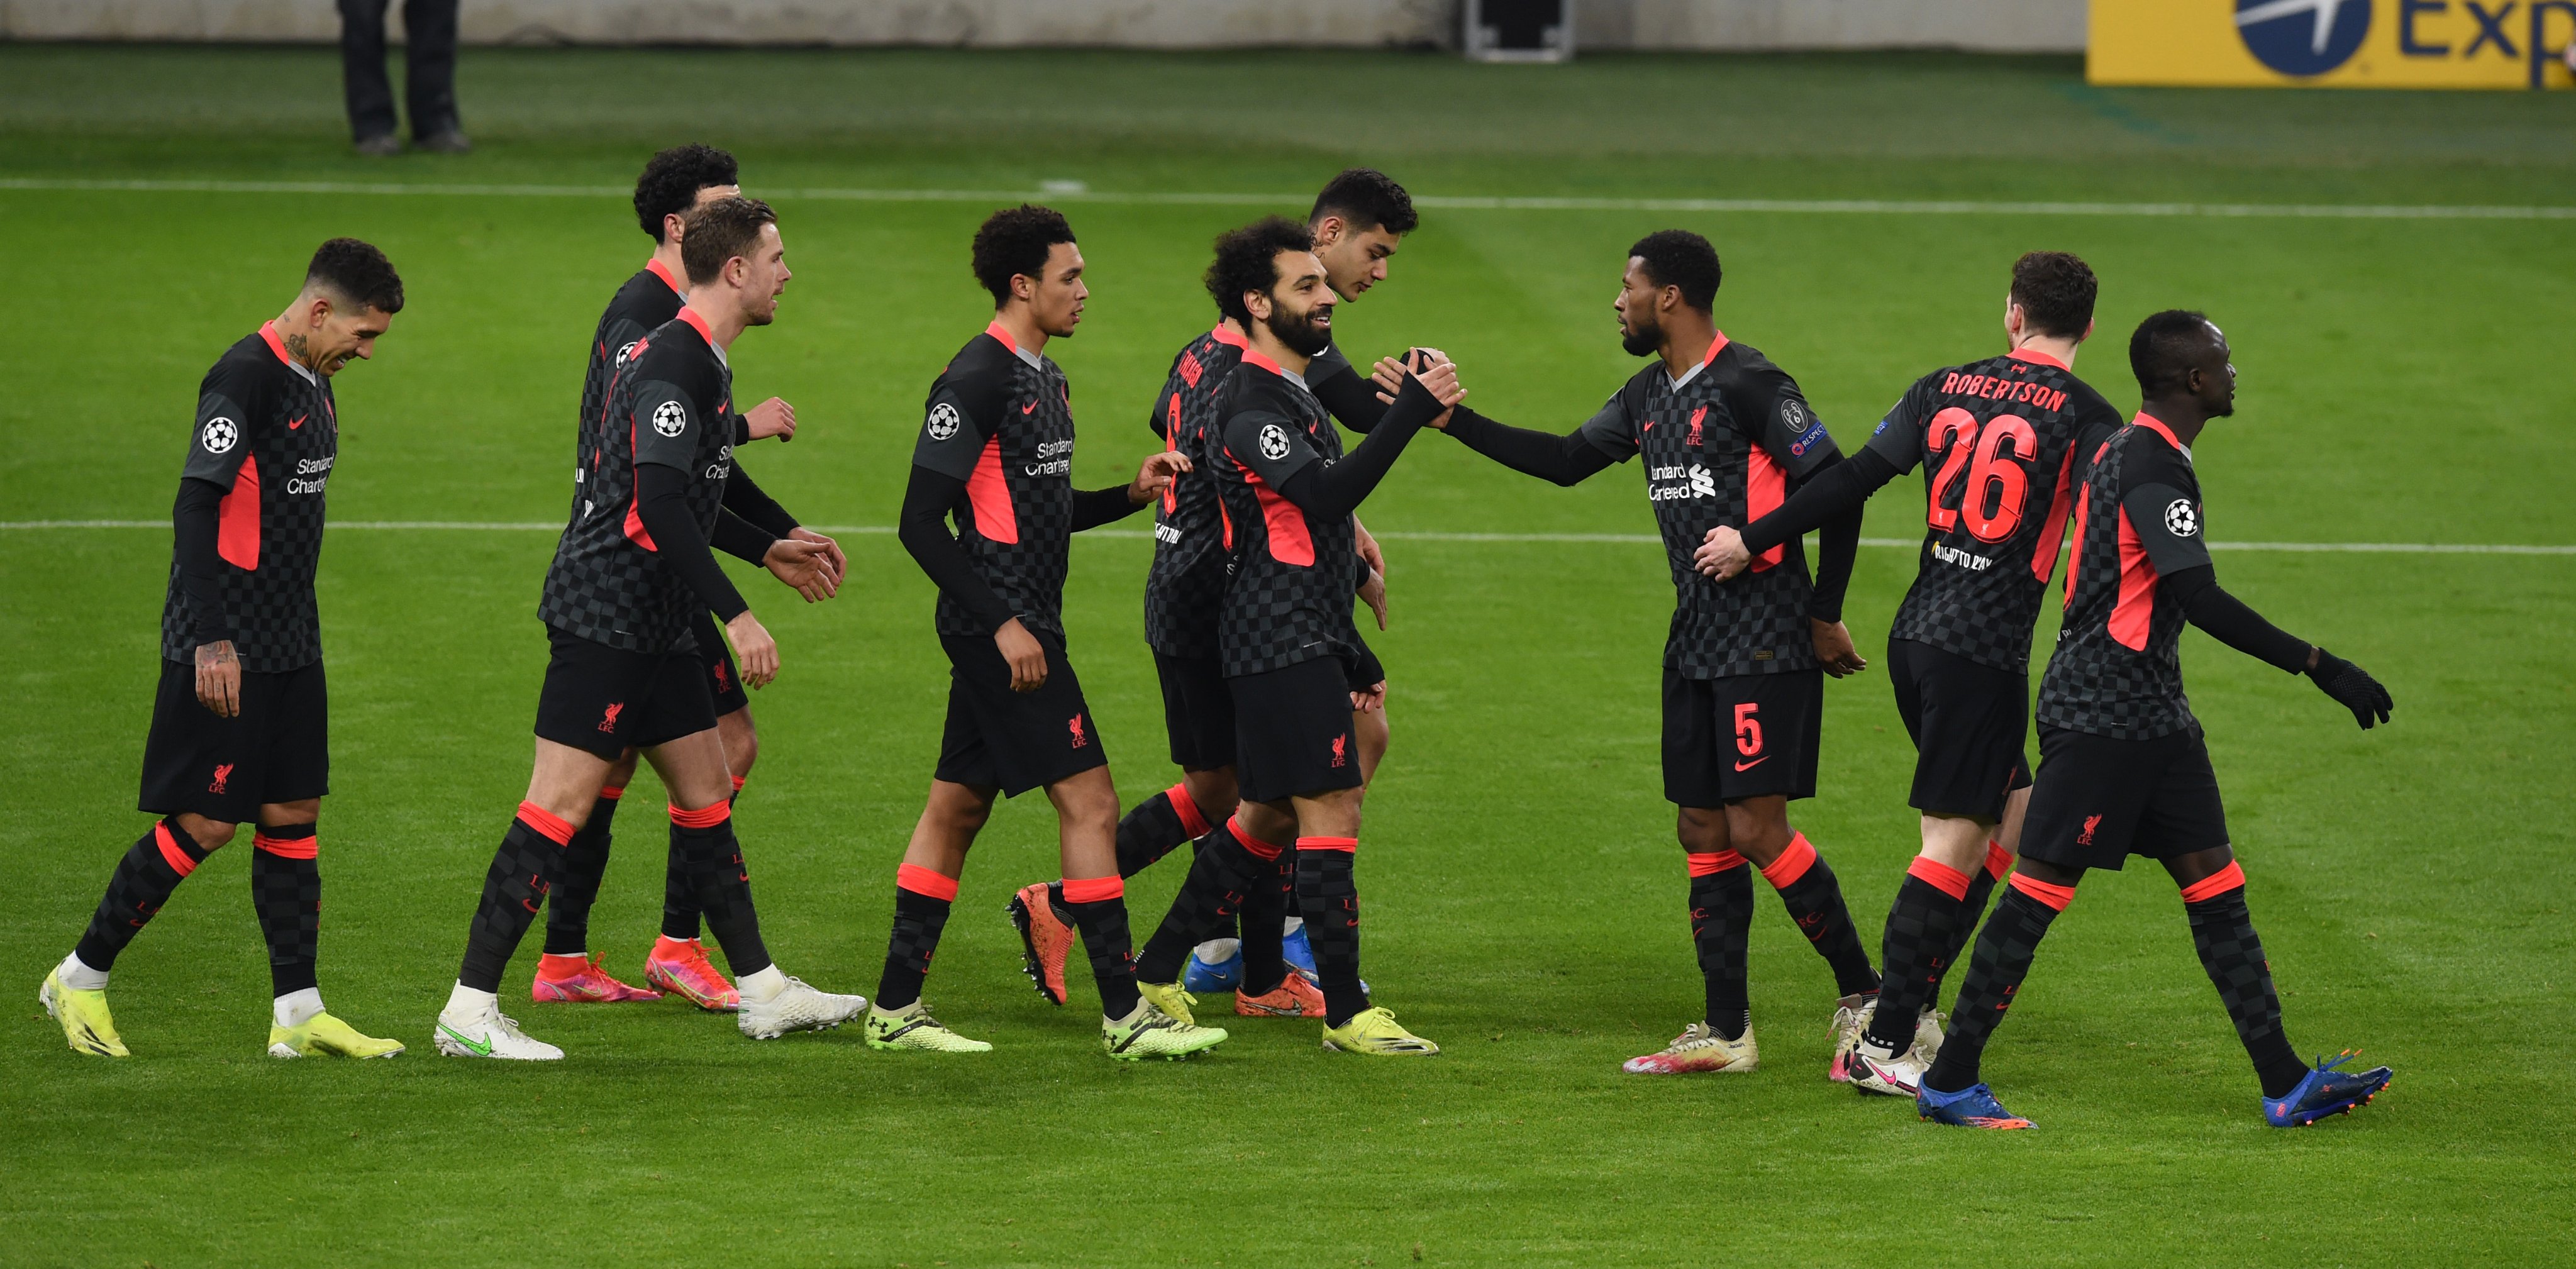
(1792, 864)
(923, 881)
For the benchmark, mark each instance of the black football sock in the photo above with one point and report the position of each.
(1263, 923)
(286, 893)
(720, 883)
(1328, 896)
(1972, 908)
(523, 869)
(152, 867)
(585, 862)
(921, 900)
(1222, 877)
(1158, 824)
(1721, 913)
(2005, 949)
(1815, 901)
(1099, 907)
(2223, 933)
(1921, 926)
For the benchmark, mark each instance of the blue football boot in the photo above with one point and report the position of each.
(2325, 1091)
(1201, 976)
(1971, 1107)
(1299, 954)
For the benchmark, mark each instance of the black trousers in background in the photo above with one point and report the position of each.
(429, 77)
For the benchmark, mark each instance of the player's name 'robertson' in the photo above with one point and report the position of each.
(1955, 384)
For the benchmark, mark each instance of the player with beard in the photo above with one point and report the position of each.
(1359, 220)
(240, 727)
(2123, 767)
(1998, 441)
(630, 574)
(1725, 437)
(676, 182)
(1286, 640)
(996, 452)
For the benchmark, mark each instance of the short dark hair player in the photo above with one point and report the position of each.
(2123, 768)
(240, 721)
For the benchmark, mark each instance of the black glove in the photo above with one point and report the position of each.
(2351, 687)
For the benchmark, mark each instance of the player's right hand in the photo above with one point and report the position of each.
(1025, 654)
(219, 678)
(1373, 594)
(773, 417)
(2350, 685)
(806, 566)
(1722, 554)
(754, 649)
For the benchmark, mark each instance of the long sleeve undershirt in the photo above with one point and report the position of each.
(195, 524)
(1565, 460)
(923, 530)
(2227, 619)
(1837, 545)
(1838, 489)
(756, 507)
(1338, 489)
(661, 503)
(1352, 400)
(1093, 508)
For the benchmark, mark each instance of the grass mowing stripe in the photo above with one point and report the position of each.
(1789, 206)
(1393, 535)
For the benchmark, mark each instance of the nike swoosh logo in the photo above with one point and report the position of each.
(1030, 408)
(479, 1050)
(1748, 766)
(299, 422)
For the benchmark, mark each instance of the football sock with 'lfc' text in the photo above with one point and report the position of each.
(1158, 824)
(151, 868)
(1815, 901)
(720, 884)
(2223, 933)
(1924, 922)
(524, 868)
(2005, 949)
(1721, 913)
(1099, 906)
(585, 863)
(1328, 897)
(286, 893)
(1981, 887)
(1223, 874)
(921, 901)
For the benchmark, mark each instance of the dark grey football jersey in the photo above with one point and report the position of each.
(1002, 421)
(267, 434)
(2117, 671)
(1187, 581)
(1721, 447)
(1999, 442)
(1289, 600)
(669, 407)
(639, 308)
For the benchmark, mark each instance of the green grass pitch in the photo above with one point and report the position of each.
(2405, 380)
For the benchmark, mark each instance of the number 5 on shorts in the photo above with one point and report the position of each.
(1748, 729)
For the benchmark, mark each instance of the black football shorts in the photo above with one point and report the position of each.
(278, 749)
(1743, 736)
(1292, 729)
(1198, 711)
(606, 700)
(2099, 801)
(1013, 741)
(1969, 722)
(715, 657)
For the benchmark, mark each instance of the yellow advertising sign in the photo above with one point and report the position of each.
(2332, 43)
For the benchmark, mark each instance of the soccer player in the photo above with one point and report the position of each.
(1359, 220)
(996, 450)
(239, 723)
(674, 183)
(1998, 441)
(2123, 768)
(632, 571)
(1286, 641)
(1724, 435)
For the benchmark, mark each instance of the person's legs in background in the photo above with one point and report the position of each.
(362, 77)
(429, 75)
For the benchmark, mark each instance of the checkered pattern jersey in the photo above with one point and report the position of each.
(1289, 599)
(640, 307)
(607, 583)
(267, 431)
(2001, 443)
(1186, 584)
(2123, 682)
(1017, 521)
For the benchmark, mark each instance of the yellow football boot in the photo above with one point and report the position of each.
(323, 1035)
(1374, 1031)
(86, 1022)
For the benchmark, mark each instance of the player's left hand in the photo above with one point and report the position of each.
(1722, 555)
(2351, 687)
(804, 566)
(753, 649)
(1370, 701)
(1156, 474)
(1834, 650)
(1373, 593)
(840, 562)
(773, 417)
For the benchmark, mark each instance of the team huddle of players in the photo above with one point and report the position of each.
(1273, 701)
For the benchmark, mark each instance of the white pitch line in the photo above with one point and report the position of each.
(1393, 535)
(1782, 206)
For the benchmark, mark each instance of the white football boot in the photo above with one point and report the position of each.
(490, 1036)
(797, 1007)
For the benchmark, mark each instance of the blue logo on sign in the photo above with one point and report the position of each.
(2302, 37)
